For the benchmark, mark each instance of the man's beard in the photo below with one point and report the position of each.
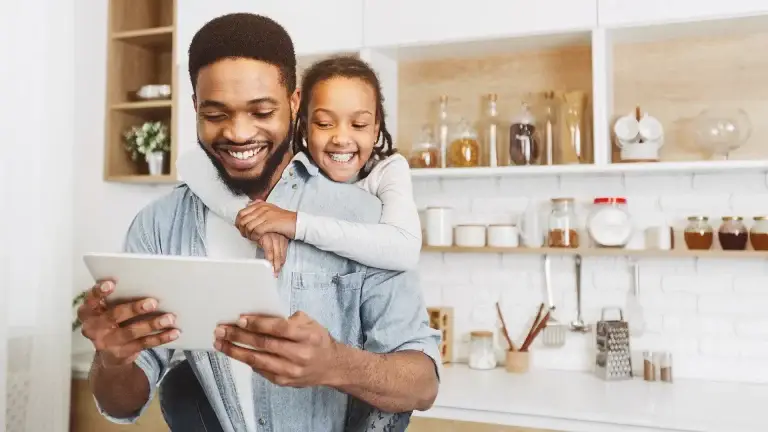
(254, 186)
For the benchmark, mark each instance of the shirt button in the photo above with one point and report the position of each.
(262, 421)
(290, 173)
(295, 186)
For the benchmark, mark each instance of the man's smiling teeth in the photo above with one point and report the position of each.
(245, 154)
(341, 157)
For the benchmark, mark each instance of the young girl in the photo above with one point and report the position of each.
(340, 126)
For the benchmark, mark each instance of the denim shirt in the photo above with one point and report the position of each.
(371, 309)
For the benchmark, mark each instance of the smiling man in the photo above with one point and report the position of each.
(357, 344)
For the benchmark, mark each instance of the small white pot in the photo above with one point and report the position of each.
(155, 161)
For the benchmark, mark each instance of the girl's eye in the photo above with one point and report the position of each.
(323, 125)
(263, 115)
(360, 125)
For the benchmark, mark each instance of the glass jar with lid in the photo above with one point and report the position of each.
(482, 355)
(563, 225)
(758, 234)
(698, 234)
(609, 223)
(464, 150)
(524, 142)
(426, 152)
(733, 234)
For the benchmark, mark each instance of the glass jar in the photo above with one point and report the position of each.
(482, 355)
(464, 150)
(426, 153)
(524, 143)
(563, 231)
(758, 235)
(698, 235)
(609, 223)
(733, 234)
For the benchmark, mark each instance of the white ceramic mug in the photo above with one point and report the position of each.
(439, 221)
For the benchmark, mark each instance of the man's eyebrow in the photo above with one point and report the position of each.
(210, 103)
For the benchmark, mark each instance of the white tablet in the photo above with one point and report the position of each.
(201, 292)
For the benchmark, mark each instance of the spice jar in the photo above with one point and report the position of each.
(609, 224)
(733, 234)
(524, 145)
(698, 234)
(649, 367)
(426, 153)
(482, 355)
(665, 367)
(464, 150)
(562, 224)
(758, 235)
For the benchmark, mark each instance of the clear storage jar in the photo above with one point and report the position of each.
(698, 234)
(609, 223)
(563, 225)
(482, 355)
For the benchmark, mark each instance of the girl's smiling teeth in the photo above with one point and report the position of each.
(341, 157)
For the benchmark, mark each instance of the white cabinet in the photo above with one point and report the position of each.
(618, 13)
(413, 22)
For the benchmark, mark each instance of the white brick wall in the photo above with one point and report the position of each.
(711, 313)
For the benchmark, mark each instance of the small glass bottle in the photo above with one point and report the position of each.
(464, 150)
(490, 133)
(482, 355)
(425, 153)
(563, 231)
(574, 147)
(524, 145)
(665, 367)
(550, 108)
(698, 235)
(649, 367)
(442, 130)
(733, 234)
(758, 234)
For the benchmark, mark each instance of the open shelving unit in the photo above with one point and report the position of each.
(140, 51)
(601, 252)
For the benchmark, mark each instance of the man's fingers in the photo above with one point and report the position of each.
(123, 312)
(96, 295)
(274, 326)
(280, 347)
(269, 365)
(140, 329)
(146, 342)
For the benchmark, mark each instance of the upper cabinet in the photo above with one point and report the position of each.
(619, 13)
(390, 23)
(316, 28)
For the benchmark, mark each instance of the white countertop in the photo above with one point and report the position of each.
(579, 401)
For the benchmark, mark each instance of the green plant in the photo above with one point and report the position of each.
(75, 303)
(148, 138)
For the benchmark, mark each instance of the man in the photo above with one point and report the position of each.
(360, 335)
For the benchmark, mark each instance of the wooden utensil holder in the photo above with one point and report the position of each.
(518, 362)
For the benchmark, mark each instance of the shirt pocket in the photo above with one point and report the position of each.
(331, 299)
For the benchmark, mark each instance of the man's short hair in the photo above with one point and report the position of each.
(243, 35)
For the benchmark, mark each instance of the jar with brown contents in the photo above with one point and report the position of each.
(425, 154)
(699, 235)
(758, 235)
(464, 150)
(563, 231)
(733, 234)
(524, 143)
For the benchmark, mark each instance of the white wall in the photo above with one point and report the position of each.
(711, 313)
(103, 210)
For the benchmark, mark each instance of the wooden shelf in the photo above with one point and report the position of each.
(161, 37)
(692, 167)
(642, 253)
(141, 51)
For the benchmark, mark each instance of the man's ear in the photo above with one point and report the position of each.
(295, 101)
(194, 101)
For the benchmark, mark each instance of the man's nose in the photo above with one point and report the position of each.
(239, 130)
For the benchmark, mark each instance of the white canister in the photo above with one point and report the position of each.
(470, 235)
(503, 236)
(439, 222)
(659, 237)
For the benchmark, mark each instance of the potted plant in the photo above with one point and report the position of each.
(76, 302)
(150, 140)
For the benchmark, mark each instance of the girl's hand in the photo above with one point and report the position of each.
(275, 247)
(260, 218)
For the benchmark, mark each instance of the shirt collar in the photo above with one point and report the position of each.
(301, 159)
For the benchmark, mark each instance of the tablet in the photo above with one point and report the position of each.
(201, 292)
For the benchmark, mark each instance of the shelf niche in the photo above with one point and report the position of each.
(675, 71)
(514, 69)
(130, 15)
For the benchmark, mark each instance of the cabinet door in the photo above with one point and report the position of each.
(617, 13)
(405, 22)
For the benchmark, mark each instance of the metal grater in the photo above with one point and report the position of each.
(614, 357)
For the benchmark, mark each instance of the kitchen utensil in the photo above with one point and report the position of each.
(579, 326)
(633, 307)
(613, 358)
(504, 328)
(537, 326)
(554, 332)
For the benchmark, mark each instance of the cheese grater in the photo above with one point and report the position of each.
(614, 357)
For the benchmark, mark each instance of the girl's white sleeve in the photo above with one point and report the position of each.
(392, 244)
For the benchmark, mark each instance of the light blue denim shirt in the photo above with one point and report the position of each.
(371, 309)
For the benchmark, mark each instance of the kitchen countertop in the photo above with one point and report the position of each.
(581, 402)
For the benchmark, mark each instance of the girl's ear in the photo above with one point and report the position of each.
(377, 130)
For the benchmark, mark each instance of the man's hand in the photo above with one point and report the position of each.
(294, 352)
(260, 218)
(275, 248)
(119, 333)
